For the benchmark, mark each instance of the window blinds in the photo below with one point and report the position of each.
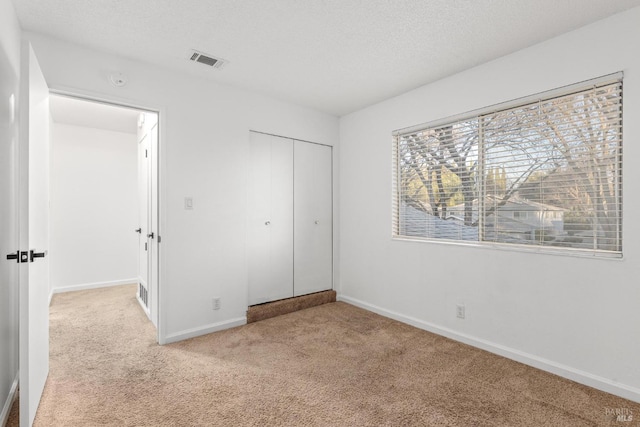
(544, 173)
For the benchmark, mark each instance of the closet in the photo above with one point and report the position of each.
(290, 230)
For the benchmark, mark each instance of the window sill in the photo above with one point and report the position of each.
(509, 247)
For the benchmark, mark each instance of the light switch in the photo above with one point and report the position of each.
(188, 203)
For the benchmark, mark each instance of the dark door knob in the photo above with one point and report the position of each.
(15, 256)
(138, 230)
(150, 235)
(34, 254)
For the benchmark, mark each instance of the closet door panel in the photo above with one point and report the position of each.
(313, 212)
(270, 231)
(281, 219)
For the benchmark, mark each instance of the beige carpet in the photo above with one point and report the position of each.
(331, 365)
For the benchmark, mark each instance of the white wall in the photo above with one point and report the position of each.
(94, 209)
(574, 316)
(9, 85)
(204, 140)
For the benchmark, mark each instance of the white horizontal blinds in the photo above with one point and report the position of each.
(549, 176)
(437, 182)
(395, 202)
(552, 172)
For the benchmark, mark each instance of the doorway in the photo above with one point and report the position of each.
(104, 198)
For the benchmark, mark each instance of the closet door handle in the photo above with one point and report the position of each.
(151, 235)
(138, 230)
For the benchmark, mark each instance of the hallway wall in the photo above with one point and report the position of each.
(94, 209)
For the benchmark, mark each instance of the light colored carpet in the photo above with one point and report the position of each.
(331, 365)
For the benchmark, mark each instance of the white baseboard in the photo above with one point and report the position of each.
(13, 393)
(559, 369)
(85, 286)
(195, 332)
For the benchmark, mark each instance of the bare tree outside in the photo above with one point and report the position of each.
(439, 167)
(545, 173)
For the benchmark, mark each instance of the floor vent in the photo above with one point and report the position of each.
(143, 295)
(207, 59)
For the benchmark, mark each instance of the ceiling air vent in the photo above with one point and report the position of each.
(206, 59)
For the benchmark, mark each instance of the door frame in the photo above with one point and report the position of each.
(161, 165)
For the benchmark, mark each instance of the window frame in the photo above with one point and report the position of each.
(495, 108)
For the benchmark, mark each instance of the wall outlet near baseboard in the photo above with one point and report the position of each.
(216, 303)
(460, 311)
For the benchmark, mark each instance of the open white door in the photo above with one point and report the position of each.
(153, 222)
(34, 235)
(143, 223)
(8, 234)
(148, 214)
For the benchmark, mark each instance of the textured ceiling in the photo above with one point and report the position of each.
(333, 55)
(72, 111)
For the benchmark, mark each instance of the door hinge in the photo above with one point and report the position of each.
(159, 239)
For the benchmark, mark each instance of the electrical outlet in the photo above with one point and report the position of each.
(460, 311)
(216, 303)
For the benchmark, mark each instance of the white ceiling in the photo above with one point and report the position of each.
(78, 112)
(333, 55)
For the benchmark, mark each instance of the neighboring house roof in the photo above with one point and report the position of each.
(415, 222)
(502, 226)
(518, 204)
(513, 204)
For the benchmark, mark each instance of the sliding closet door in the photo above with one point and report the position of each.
(313, 212)
(270, 239)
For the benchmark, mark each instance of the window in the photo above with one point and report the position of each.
(544, 171)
